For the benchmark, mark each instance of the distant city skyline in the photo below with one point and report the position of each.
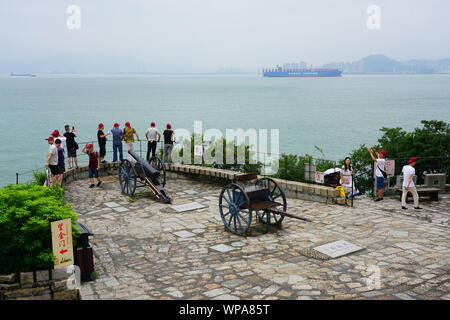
(205, 36)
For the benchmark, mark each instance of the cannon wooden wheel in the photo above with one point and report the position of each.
(235, 209)
(157, 164)
(277, 196)
(127, 178)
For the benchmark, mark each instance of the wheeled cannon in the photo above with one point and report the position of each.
(265, 197)
(150, 174)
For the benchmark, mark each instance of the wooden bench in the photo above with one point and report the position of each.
(424, 192)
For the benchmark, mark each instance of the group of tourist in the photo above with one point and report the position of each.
(56, 162)
(342, 179)
(408, 172)
(55, 156)
(128, 135)
(56, 153)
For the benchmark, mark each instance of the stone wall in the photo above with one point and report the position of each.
(37, 285)
(293, 189)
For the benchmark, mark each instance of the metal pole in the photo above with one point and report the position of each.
(352, 193)
(17, 178)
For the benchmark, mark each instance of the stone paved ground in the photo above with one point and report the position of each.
(140, 252)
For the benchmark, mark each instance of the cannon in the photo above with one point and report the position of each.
(150, 174)
(265, 197)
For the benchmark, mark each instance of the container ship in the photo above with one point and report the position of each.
(22, 75)
(316, 72)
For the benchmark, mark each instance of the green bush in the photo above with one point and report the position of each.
(39, 178)
(26, 212)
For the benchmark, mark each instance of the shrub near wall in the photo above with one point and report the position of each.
(26, 212)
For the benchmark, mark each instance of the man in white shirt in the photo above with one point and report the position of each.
(379, 169)
(153, 136)
(52, 160)
(408, 183)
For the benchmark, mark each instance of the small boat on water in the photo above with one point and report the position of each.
(22, 75)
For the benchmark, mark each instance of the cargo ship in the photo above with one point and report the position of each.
(22, 75)
(316, 72)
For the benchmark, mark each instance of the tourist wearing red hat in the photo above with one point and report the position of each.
(101, 137)
(380, 174)
(408, 172)
(128, 137)
(94, 164)
(117, 142)
(55, 134)
(52, 160)
(169, 139)
(153, 136)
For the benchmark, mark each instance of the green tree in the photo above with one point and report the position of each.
(26, 212)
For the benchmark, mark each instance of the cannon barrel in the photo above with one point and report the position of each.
(150, 172)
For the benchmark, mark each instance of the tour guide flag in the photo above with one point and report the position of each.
(62, 242)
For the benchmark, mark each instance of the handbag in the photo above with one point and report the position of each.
(382, 172)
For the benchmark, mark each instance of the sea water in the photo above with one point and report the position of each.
(335, 114)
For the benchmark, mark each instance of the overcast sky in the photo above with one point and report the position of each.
(205, 35)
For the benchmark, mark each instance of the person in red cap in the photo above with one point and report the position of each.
(101, 137)
(52, 160)
(128, 137)
(94, 164)
(169, 139)
(408, 172)
(117, 134)
(153, 136)
(55, 134)
(380, 174)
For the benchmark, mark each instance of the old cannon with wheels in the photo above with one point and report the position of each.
(265, 197)
(150, 174)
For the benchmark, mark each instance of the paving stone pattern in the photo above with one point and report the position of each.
(142, 252)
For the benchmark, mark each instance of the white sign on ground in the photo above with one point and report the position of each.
(337, 248)
(188, 207)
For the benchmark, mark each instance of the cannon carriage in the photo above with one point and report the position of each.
(264, 197)
(141, 173)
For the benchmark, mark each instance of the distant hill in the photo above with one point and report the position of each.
(381, 64)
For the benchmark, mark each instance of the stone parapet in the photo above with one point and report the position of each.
(38, 285)
(293, 189)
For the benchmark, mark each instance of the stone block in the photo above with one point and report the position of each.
(323, 191)
(60, 274)
(331, 192)
(9, 286)
(26, 279)
(8, 278)
(41, 297)
(300, 187)
(42, 276)
(28, 292)
(59, 285)
(316, 190)
(291, 185)
(67, 295)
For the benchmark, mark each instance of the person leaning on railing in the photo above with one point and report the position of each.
(101, 137)
(152, 134)
(169, 139)
(117, 134)
(128, 137)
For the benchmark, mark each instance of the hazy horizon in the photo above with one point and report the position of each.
(199, 36)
